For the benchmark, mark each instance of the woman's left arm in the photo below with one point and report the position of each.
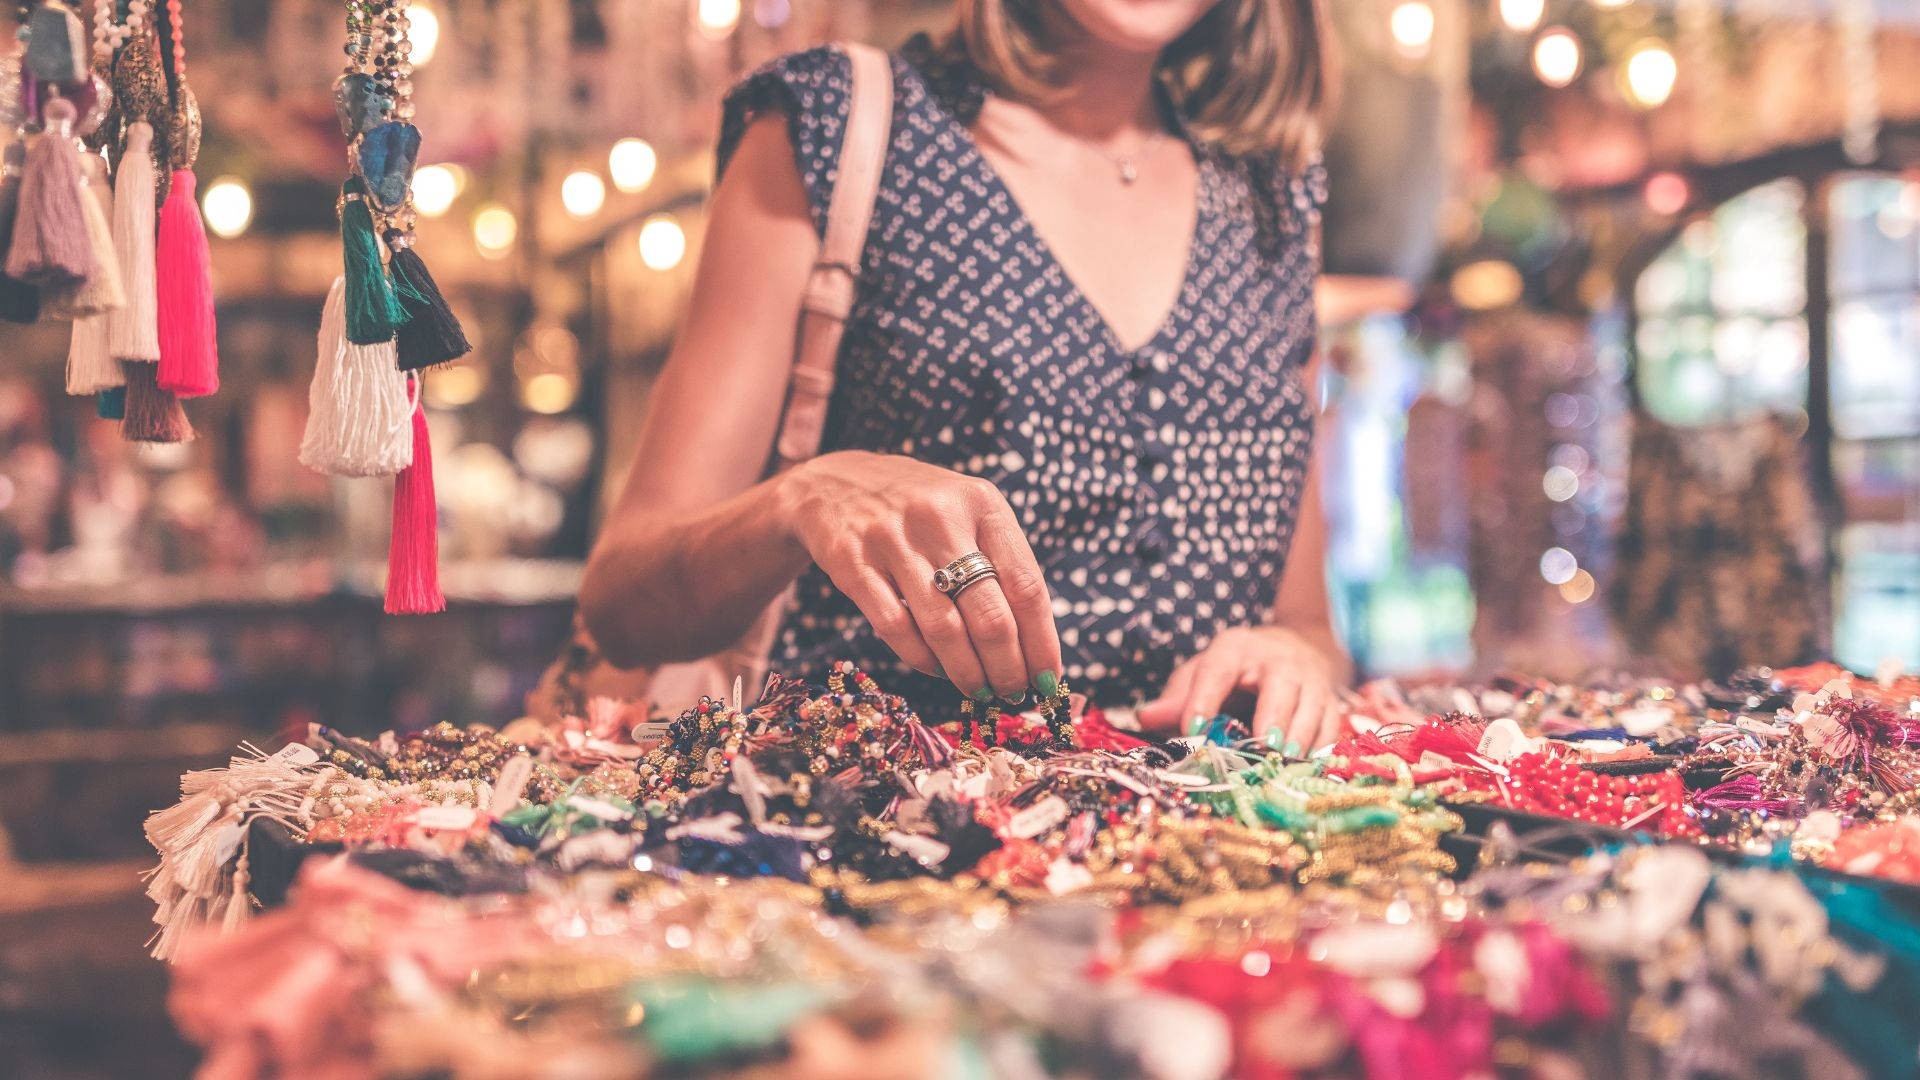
(1293, 666)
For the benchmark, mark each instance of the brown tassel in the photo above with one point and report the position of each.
(50, 243)
(153, 414)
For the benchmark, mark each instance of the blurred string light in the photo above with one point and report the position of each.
(450, 386)
(1649, 74)
(227, 207)
(662, 242)
(1557, 565)
(1667, 193)
(583, 193)
(1611, 3)
(1522, 15)
(716, 18)
(1486, 285)
(1560, 483)
(632, 162)
(494, 230)
(771, 14)
(1412, 25)
(423, 31)
(435, 187)
(1557, 57)
(1577, 589)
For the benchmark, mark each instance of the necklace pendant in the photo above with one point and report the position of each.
(1128, 174)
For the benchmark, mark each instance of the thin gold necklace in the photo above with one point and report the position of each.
(1128, 165)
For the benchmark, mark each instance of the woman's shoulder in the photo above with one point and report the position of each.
(1284, 197)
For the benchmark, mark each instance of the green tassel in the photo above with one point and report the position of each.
(373, 310)
(111, 404)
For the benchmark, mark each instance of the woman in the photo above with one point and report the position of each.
(1080, 348)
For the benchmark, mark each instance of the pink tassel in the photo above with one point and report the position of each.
(413, 554)
(183, 284)
(51, 247)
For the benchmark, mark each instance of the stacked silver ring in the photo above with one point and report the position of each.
(970, 569)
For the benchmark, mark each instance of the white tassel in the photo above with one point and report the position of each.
(133, 331)
(104, 291)
(204, 833)
(359, 414)
(239, 900)
(91, 367)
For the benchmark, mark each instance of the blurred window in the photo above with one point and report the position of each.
(1722, 335)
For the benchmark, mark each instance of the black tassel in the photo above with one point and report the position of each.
(431, 335)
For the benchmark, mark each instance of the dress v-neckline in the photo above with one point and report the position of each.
(993, 177)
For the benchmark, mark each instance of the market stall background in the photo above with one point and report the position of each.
(1656, 404)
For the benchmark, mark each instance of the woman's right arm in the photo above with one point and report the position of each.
(698, 544)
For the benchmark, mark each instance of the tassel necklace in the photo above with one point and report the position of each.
(385, 318)
(142, 310)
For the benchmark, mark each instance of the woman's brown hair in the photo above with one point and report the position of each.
(1252, 76)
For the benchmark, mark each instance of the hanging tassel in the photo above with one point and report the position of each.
(91, 368)
(431, 335)
(189, 351)
(111, 404)
(133, 331)
(50, 246)
(153, 414)
(373, 312)
(357, 405)
(413, 553)
(103, 292)
(19, 301)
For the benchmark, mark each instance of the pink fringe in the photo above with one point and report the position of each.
(189, 349)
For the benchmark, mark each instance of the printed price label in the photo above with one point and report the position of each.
(296, 754)
(455, 818)
(1038, 818)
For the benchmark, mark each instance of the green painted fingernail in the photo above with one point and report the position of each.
(1017, 698)
(1292, 749)
(1047, 683)
(1273, 740)
(1197, 723)
(984, 695)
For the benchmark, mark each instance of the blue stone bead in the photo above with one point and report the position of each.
(358, 103)
(387, 155)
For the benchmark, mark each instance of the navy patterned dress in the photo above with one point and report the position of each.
(1158, 486)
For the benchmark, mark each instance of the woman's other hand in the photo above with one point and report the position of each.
(880, 525)
(1294, 682)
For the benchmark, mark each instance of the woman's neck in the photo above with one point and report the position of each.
(1105, 95)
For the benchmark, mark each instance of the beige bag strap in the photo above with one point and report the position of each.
(835, 278)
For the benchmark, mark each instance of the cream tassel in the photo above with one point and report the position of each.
(359, 413)
(133, 332)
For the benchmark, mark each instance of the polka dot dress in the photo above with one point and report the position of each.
(1158, 486)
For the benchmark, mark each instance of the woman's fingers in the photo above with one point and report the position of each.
(1216, 673)
(1163, 712)
(1273, 708)
(1024, 587)
(941, 625)
(995, 636)
(1303, 726)
(1331, 722)
(874, 594)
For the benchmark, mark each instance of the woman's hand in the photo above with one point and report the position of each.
(880, 525)
(1295, 683)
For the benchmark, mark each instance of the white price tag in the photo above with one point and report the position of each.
(1038, 818)
(605, 811)
(1504, 741)
(452, 818)
(297, 755)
